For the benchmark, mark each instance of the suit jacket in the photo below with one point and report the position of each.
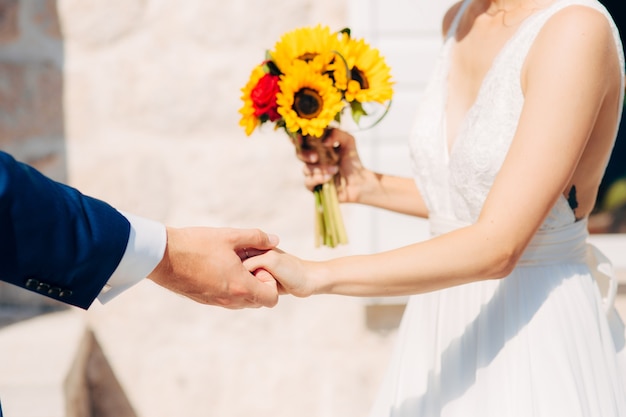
(54, 240)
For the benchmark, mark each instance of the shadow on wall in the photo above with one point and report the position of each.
(105, 396)
(31, 113)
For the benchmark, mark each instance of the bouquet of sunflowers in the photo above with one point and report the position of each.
(304, 86)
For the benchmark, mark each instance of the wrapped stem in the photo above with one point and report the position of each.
(329, 226)
(329, 222)
(320, 232)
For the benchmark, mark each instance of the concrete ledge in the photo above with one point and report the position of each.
(40, 361)
(52, 366)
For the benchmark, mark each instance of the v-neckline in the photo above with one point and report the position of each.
(450, 143)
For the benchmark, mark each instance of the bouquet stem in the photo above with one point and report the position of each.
(329, 226)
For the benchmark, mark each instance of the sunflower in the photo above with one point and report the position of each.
(308, 101)
(370, 77)
(249, 121)
(315, 45)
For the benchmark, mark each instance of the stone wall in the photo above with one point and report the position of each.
(152, 90)
(135, 102)
(31, 109)
(31, 84)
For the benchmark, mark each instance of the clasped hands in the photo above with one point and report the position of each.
(243, 268)
(226, 267)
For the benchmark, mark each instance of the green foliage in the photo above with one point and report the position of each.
(357, 111)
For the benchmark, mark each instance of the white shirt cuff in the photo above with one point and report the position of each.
(144, 251)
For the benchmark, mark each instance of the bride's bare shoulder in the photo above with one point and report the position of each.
(584, 27)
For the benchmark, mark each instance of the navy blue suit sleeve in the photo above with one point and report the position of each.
(55, 240)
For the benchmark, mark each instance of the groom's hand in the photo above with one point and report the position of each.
(205, 264)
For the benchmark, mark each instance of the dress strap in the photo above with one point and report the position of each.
(457, 18)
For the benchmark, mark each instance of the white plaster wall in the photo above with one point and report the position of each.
(409, 34)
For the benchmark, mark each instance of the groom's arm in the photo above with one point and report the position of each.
(65, 245)
(74, 248)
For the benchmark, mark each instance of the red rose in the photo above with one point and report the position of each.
(263, 97)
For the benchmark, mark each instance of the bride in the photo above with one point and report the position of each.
(509, 145)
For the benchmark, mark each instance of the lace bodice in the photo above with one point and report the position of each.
(455, 182)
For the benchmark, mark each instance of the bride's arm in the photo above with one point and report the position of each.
(357, 184)
(399, 194)
(564, 100)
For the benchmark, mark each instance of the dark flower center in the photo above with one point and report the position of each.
(359, 76)
(307, 103)
(307, 57)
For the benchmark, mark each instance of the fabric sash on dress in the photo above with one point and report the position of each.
(564, 244)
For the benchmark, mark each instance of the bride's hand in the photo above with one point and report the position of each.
(293, 274)
(349, 169)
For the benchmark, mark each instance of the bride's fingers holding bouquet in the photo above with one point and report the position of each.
(328, 150)
(352, 177)
(336, 157)
(315, 175)
(294, 275)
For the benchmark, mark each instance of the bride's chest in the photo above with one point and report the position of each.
(476, 150)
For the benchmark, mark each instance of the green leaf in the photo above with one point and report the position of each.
(357, 111)
(269, 66)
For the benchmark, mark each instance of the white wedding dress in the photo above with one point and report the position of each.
(537, 343)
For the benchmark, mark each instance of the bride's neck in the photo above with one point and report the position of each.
(509, 6)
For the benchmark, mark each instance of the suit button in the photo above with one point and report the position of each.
(65, 293)
(31, 283)
(54, 291)
(43, 287)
